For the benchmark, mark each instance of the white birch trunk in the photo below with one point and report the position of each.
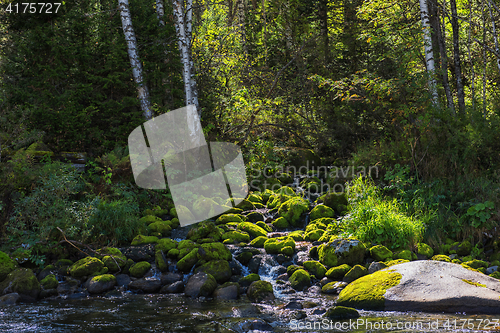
(160, 11)
(135, 62)
(183, 28)
(429, 55)
(495, 38)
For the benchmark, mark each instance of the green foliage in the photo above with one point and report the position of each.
(481, 213)
(375, 219)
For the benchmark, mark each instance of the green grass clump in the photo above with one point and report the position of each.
(375, 219)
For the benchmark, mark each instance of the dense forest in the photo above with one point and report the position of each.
(410, 87)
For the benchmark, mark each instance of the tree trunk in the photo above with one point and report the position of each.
(323, 16)
(183, 28)
(484, 60)
(241, 22)
(473, 74)
(135, 62)
(429, 56)
(495, 38)
(456, 56)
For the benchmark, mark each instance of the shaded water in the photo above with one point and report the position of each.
(158, 313)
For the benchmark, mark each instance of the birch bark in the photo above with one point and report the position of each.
(456, 56)
(429, 55)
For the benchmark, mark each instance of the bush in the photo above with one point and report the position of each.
(375, 219)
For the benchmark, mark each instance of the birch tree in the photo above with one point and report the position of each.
(456, 57)
(429, 55)
(495, 38)
(183, 15)
(135, 62)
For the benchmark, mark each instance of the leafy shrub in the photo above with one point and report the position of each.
(375, 219)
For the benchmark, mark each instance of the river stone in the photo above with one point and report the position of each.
(22, 281)
(260, 291)
(173, 288)
(139, 253)
(227, 291)
(200, 284)
(146, 285)
(101, 283)
(429, 286)
(67, 287)
(123, 280)
(219, 269)
(9, 299)
(86, 266)
(170, 277)
(341, 251)
(376, 266)
(7, 265)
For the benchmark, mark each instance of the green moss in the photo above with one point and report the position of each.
(139, 269)
(264, 226)
(252, 229)
(315, 268)
(476, 263)
(63, 262)
(7, 265)
(380, 253)
(104, 278)
(86, 267)
(246, 205)
(108, 251)
(173, 253)
(292, 268)
(188, 261)
(495, 275)
(160, 261)
(259, 291)
(166, 244)
(233, 237)
(275, 245)
(464, 265)
(336, 201)
(314, 235)
(142, 240)
(368, 291)
(355, 273)
(162, 228)
(21, 281)
(297, 235)
(321, 211)
(395, 262)
(258, 242)
(464, 249)
(341, 251)
(281, 223)
(208, 287)
(214, 251)
(300, 279)
(477, 284)
(404, 254)
(49, 282)
(441, 257)
(287, 250)
(341, 313)
(425, 250)
(292, 209)
(115, 263)
(219, 269)
(148, 219)
(247, 280)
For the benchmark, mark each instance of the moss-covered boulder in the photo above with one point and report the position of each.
(246, 205)
(314, 235)
(260, 291)
(476, 264)
(292, 209)
(22, 281)
(204, 232)
(162, 228)
(288, 251)
(258, 242)
(425, 250)
(161, 261)
(226, 218)
(255, 217)
(281, 223)
(200, 284)
(315, 268)
(213, 251)
(252, 229)
(142, 240)
(404, 254)
(441, 257)
(185, 246)
(188, 261)
(355, 273)
(86, 267)
(219, 269)
(101, 283)
(297, 235)
(235, 237)
(336, 201)
(321, 211)
(368, 291)
(7, 265)
(166, 244)
(337, 273)
(247, 280)
(292, 268)
(148, 219)
(380, 253)
(204, 207)
(300, 279)
(139, 269)
(244, 257)
(464, 249)
(264, 226)
(333, 287)
(341, 313)
(49, 282)
(276, 245)
(341, 251)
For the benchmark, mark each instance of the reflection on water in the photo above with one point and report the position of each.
(158, 313)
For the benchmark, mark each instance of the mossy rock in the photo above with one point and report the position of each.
(368, 291)
(219, 269)
(254, 197)
(162, 228)
(109, 251)
(126, 269)
(341, 313)
(247, 280)
(260, 291)
(286, 190)
(22, 281)
(281, 223)
(321, 211)
(252, 229)
(7, 265)
(315, 268)
(186, 246)
(341, 251)
(496, 275)
(464, 249)
(314, 235)
(395, 262)
(205, 231)
(288, 251)
(244, 257)
(148, 219)
(297, 235)
(275, 245)
(476, 264)
(188, 261)
(292, 209)
(115, 263)
(86, 267)
(292, 268)
(161, 261)
(336, 201)
(246, 205)
(441, 257)
(166, 244)
(258, 242)
(425, 250)
(264, 226)
(255, 217)
(139, 269)
(380, 253)
(173, 253)
(337, 273)
(225, 218)
(142, 240)
(213, 251)
(235, 236)
(49, 282)
(277, 200)
(355, 273)
(300, 279)
(404, 254)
